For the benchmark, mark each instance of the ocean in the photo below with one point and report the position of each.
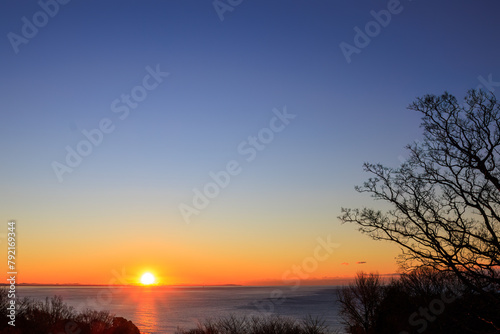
(165, 309)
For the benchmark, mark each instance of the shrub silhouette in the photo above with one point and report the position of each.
(258, 325)
(424, 300)
(54, 316)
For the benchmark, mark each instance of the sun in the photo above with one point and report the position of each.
(147, 279)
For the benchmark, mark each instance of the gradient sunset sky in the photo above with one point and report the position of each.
(120, 208)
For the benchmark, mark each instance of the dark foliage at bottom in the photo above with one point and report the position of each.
(52, 316)
(423, 301)
(258, 325)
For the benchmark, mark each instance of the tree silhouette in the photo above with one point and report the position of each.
(445, 198)
(359, 303)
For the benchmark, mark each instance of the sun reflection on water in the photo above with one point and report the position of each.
(146, 313)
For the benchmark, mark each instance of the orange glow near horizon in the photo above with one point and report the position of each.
(202, 255)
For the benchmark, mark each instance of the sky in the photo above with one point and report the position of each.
(215, 142)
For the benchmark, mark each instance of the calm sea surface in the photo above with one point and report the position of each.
(164, 309)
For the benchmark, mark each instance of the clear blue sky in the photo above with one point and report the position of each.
(225, 78)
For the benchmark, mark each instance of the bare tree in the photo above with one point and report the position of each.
(446, 197)
(359, 303)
